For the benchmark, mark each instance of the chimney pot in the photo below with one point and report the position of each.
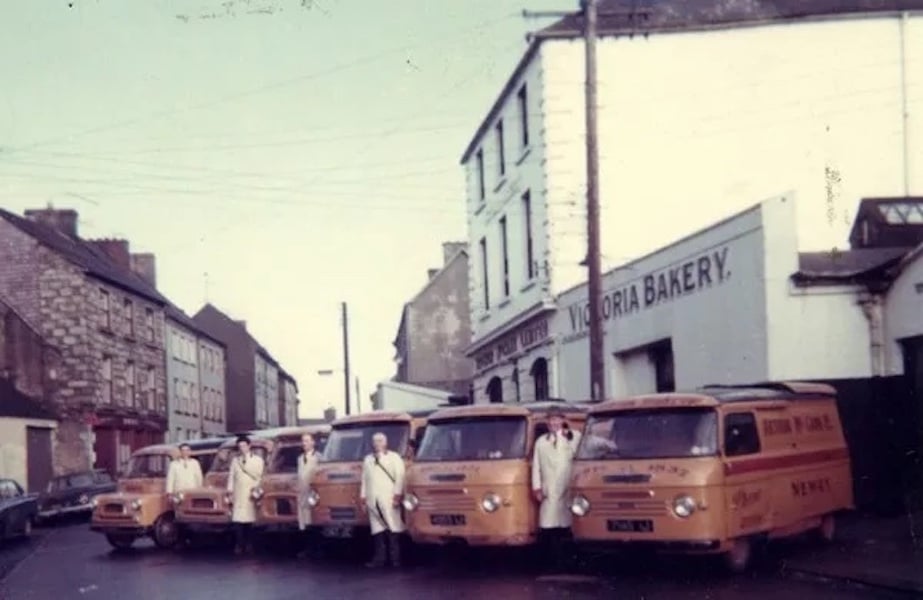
(64, 220)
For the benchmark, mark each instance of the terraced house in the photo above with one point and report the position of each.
(107, 323)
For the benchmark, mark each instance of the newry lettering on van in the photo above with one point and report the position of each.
(656, 288)
(800, 489)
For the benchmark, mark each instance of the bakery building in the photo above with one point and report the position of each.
(738, 303)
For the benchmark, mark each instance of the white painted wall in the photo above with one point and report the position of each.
(212, 365)
(183, 385)
(695, 125)
(13, 453)
(397, 396)
(903, 313)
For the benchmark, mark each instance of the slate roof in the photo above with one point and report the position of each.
(92, 260)
(17, 405)
(627, 17)
(176, 314)
(849, 265)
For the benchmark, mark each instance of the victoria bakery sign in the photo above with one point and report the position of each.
(523, 339)
(659, 287)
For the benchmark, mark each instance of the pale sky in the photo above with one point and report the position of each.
(299, 152)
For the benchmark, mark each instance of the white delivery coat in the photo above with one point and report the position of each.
(183, 475)
(382, 480)
(244, 475)
(307, 463)
(551, 470)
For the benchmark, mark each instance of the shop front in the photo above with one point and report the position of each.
(516, 362)
(116, 438)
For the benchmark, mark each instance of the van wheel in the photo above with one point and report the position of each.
(166, 533)
(120, 541)
(737, 559)
(827, 530)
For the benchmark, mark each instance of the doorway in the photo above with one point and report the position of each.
(38, 458)
(495, 390)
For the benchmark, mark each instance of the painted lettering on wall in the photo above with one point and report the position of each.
(656, 288)
(801, 489)
(519, 341)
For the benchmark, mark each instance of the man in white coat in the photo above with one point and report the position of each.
(244, 475)
(307, 463)
(184, 473)
(551, 470)
(380, 495)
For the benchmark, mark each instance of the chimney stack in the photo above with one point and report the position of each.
(145, 266)
(450, 249)
(116, 250)
(432, 273)
(64, 220)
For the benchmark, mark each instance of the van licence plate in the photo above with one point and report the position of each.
(337, 532)
(630, 526)
(447, 520)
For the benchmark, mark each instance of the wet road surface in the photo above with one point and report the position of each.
(72, 562)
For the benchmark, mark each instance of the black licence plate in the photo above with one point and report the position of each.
(630, 526)
(447, 520)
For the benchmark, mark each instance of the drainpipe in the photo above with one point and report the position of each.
(871, 304)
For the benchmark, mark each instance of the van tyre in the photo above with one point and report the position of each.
(166, 532)
(737, 558)
(120, 541)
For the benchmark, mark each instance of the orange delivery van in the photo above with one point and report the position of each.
(712, 472)
(471, 481)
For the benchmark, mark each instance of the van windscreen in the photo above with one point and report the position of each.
(222, 461)
(351, 443)
(656, 433)
(473, 438)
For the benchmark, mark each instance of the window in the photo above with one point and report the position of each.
(495, 390)
(740, 434)
(129, 318)
(151, 389)
(661, 355)
(130, 384)
(193, 357)
(485, 274)
(527, 225)
(524, 115)
(506, 258)
(196, 400)
(104, 309)
(539, 372)
(480, 166)
(106, 377)
(177, 396)
(149, 324)
(501, 155)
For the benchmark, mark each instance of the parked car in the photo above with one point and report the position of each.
(73, 494)
(17, 510)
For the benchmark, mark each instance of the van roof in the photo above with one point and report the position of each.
(292, 430)
(715, 395)
(383, 415)
(204, 444)
(508, 409)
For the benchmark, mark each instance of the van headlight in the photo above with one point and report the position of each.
(313, 498)
(410, 502)
(256, 493)
(227, 498)
(136, 504)
(580, 506)
(683, 506)
(94, 503)
(177, 497)
(490, 502)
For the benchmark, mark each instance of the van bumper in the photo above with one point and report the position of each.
(135, 530)
(660, 546)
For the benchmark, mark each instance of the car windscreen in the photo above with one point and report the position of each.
(148, 465)
(474, 438)
(351, 443)
(222, 461)
(650, 433)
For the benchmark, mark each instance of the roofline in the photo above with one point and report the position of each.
(548, 35)
(149, 297)
(438, 274)
(196, 330)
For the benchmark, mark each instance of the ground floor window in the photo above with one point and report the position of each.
(661, 354)
(539, 373)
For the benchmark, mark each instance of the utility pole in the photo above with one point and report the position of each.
(594, 283)
(358, 397)
(346, 380)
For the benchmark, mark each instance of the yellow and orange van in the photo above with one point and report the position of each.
(207, 510)
(712, 472)
(471, 480)
(140, 507)
(277, 507)
(334, 494)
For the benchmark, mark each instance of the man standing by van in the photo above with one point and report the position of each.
(185, 472)
(245, 473)
(551, 469)
(307, 463)
(380, 495)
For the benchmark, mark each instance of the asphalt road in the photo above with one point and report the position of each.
(72, 562)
